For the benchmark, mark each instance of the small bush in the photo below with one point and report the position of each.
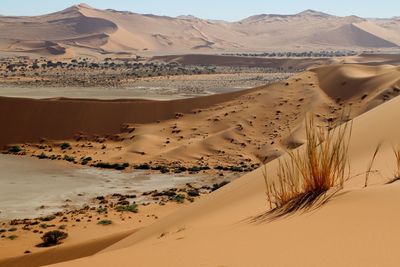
(396, 177)
(143, 167)
(45, 225)
(105, 222)
(102, 210)
(69, 158)
(47, 218)
(85, 160)
(179, 198)
(53, 238)
(42, 156)
(193, 193)
(219, 185)
(131, 208)
(65, 146)
(13, 237)
(116, 166)
(14, 149)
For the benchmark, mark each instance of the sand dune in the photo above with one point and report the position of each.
(247, 127)
(64, 118)
(110, 31)
(357, 227)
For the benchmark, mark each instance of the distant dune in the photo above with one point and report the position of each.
(82, 29)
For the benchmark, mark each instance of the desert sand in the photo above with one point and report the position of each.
(358, 226)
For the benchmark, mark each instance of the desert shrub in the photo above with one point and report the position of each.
(193, 193)
(53, 238)
(179, 198)
(131, 208)
(14, 149)
(105, 222)
(85, 160)
(13, 237)
(309, 173)
(396, 177)
(198, 168)
(143, 167)
(116, 166)
(65, 146)
(217, 186)
(42, 156)
(47, 218)
(45, 225)
(69, 158)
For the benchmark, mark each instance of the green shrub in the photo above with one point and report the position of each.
(179, 198)
(193, 193)
(14, 149)
(47, 218)
(53, 238)
(116, 166)
(219, 185)
(143, 167)
(131, 208)
(105, 222)
(65, 146)
(69, 158)
(42, 156)
(13, 237)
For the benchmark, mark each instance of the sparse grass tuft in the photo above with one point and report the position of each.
(396, 177)
(309, 173)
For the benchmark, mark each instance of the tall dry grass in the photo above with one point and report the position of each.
(310, 172)
(396, 151)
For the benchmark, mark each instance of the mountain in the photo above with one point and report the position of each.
(82, 29)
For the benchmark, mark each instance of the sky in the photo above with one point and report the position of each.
(230, 10)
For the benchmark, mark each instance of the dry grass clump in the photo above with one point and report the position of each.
(396, 178)
(310, 172)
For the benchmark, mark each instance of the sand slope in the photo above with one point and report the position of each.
(358, 227)
(82, 29)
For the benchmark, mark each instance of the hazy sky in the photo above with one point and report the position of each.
(213, 9)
